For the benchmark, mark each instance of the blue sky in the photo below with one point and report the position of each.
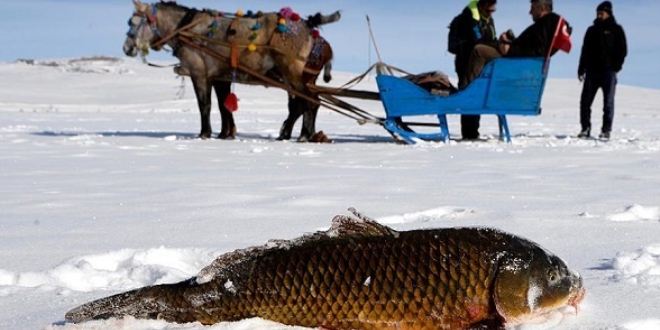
(410, 35)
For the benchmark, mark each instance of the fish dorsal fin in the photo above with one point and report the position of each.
(358, 225)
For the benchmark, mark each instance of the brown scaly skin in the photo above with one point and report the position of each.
(414, 280)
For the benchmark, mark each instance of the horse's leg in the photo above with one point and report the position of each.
(203, 92)
(309, 111)
(294, 114)
(228, 131)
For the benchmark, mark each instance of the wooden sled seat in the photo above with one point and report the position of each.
(506, 86)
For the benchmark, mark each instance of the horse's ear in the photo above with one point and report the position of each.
(140, 7)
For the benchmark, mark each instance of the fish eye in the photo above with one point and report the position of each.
(553, 276)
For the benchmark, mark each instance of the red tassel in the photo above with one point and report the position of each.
(231, 102)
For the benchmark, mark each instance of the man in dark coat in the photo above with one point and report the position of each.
(475, 25)
(535, 41)
(603, 52)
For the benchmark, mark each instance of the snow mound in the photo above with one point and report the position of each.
(637, 212)
(651, 324)
(130, 323)
(426, 216)
(95, 64)
(639, 267)
(117, 270)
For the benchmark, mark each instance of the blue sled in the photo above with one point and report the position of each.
(506, 86)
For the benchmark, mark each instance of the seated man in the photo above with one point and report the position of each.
(535, 41)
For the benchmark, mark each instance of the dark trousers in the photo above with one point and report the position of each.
(605, 80)
(469, 123)
(481, 55)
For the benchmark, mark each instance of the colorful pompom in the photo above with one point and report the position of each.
(256, 26)
(316, 34)
(249, 13)
(282, 28)
(286, 12)
(231, 102)
(252, 47)
(239, 13)
(295, 17)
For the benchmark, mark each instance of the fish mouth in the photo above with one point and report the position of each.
(577, 295)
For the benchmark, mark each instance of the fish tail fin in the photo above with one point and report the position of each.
(144, 303)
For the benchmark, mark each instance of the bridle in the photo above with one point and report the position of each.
(138, 27)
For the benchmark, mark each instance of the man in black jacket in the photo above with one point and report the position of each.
(535, 41)
(603, 52)
(475, 25)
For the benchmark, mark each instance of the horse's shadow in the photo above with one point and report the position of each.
(152, 134)
(342, 138)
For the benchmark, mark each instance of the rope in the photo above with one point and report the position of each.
(176, 32)
(373, 40)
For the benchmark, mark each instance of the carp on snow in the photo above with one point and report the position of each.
(362, 275)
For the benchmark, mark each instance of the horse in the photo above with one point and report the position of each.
(217, 50)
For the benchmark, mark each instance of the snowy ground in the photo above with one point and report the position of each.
(105, 188)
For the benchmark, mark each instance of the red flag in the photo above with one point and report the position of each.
(562, 37)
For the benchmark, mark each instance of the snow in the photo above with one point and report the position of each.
(105, 187)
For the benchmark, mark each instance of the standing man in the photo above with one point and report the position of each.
(603, 52)
(473, 26)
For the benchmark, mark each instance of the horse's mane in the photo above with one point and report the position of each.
(312, 21)
(174, 5)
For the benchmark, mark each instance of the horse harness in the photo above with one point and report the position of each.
(137, 29)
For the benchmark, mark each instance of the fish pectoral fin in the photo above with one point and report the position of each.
(510, 292)
(358, 225)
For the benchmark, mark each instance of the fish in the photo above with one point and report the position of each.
(361, 275)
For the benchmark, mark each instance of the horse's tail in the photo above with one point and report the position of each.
(145, 303)
(327, 74)
(327, 58)
(318, 19)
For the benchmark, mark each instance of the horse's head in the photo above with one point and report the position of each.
(141, 30)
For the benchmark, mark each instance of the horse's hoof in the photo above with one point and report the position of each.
(319, 137)
(226, 137)
(204, 136)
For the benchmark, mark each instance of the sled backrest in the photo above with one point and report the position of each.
(514, 84)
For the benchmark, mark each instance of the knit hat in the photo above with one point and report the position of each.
(605, 6)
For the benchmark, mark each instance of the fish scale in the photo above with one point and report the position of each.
(366, 278)
(325, 284)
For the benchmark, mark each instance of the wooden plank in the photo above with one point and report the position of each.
(358, 94)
